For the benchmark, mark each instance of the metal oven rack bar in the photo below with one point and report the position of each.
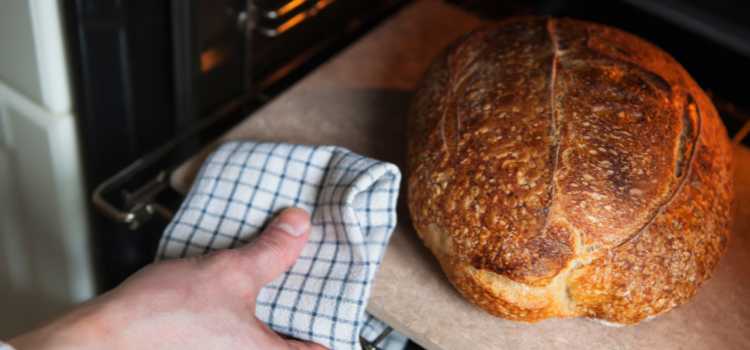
(140, 205)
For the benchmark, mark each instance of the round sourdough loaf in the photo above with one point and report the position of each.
(560, 168)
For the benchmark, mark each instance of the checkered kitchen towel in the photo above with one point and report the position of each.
(352, 199)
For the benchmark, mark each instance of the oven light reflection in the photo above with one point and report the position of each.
(297, 19)
(212, 58)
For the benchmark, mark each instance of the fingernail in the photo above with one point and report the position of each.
(294, 228)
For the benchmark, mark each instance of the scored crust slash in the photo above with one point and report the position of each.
(561, 168)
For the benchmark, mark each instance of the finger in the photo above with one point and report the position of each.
(278, 247)
(303, 345)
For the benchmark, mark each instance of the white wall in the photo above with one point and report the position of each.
(18, 63)
(44, 238)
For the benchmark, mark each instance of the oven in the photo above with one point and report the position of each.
(158, 81)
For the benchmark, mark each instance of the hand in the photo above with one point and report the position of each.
(204, 302)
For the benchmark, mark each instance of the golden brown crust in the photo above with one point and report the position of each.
(484, 128)
(563, 168)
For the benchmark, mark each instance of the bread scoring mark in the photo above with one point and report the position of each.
(457, 79)
(687, 130)
(690, 105)
(554, 130)
(653, 79)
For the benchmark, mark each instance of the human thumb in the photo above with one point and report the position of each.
(278, 246)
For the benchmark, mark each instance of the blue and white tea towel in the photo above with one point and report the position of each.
(322, 298)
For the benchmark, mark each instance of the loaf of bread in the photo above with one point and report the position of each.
(561, 168)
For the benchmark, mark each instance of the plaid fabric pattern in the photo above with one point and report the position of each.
(352, 200)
